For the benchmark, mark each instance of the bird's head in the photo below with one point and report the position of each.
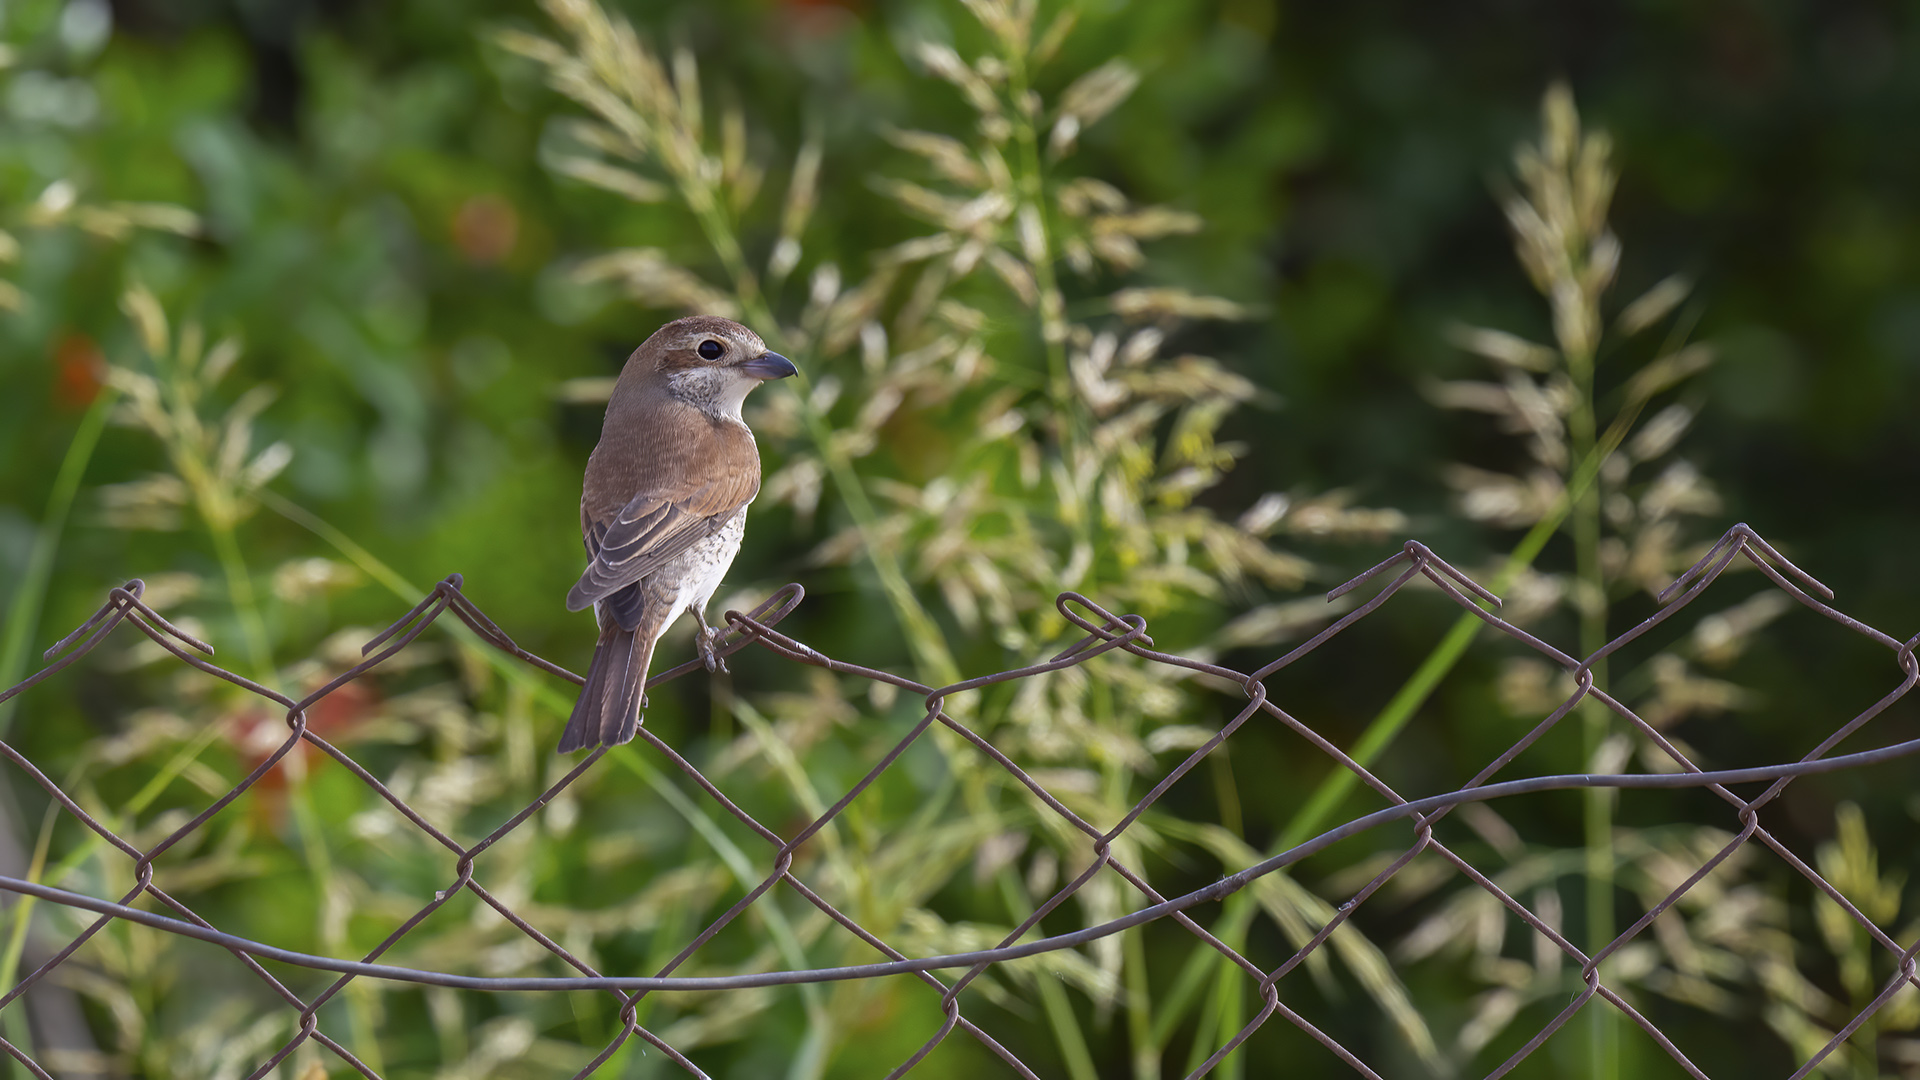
(708, 362)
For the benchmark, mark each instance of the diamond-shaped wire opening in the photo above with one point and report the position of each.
(1809, 593)
(1101, 638)
(785, 850)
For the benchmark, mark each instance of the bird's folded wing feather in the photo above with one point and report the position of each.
(656, 525)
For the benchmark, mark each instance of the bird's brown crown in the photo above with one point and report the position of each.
(678, 345)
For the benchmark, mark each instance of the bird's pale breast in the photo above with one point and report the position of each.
(691, 577)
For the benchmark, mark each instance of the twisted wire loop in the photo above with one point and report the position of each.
(1102, 632)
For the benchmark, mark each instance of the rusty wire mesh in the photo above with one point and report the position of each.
(1104, 632)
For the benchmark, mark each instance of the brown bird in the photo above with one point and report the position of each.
(663, 507)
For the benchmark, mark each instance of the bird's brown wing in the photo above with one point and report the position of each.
(655, 526)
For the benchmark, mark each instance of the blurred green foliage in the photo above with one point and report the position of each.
(372, 200)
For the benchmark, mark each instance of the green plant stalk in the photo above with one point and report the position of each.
(1116, 778)
(23, 622)
(1385, 727)
(726, 244)
(1379, 734)
(23, 912)
(185, 756)
(17, 1030)
(313, 847)
(246, 604)
(779, 755)
(366, 561)
(394, 582)
(313, 844)
(1866, 1038)
(1223, 1015)
(1146, 1053)
(397, 584)
(923, 634)
(1013, 893)
(1031, 183)
(819, 1022)
(1866, 1041)
(816, 1048)
(1597, 803)
(1053, 996)
(1226, 792)
(30, 592)
(1178, 1000)
(1066, 1029)
(676, 925)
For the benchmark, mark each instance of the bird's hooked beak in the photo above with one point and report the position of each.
(769, 365)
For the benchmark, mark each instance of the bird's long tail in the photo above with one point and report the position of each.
(608, 710)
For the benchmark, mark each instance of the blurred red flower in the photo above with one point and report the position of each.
(820, 18)
(485, 228)
(79, 370)
(257, 732)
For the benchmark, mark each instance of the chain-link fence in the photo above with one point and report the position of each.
(946, 976)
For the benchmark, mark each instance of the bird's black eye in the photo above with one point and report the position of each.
(710, 349)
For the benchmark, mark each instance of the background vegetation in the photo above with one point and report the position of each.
(1252, 293)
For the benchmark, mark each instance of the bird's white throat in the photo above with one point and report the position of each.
(716, 391)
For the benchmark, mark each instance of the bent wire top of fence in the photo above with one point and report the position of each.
(1103, 632)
